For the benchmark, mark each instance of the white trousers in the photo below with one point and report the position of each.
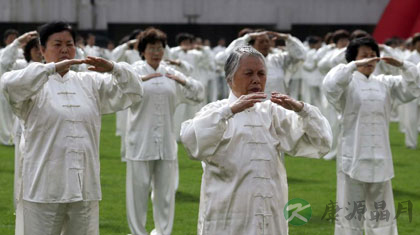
(74, 218)
(121, 130)
(410, 119)
(350, 191)
(6, 121)
(141, 175)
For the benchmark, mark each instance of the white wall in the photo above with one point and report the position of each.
(282, 13)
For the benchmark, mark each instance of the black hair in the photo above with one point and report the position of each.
(339, 34)
(46, 30)
(353, 47)
(150, 36)
(10, 32)
(28, 47)
(416, 38)
(313, 39)
(358, 33)
(184, 36)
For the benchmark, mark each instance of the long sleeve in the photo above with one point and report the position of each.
(295, 51)
(192, 92)
(118, 54)
(20, 85)
(406, 86)
(336, 82)
(9, 56)
(222, 56)
(120, 89)
(306, 133)
(203, 134)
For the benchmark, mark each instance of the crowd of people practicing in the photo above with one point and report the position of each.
(238, 109)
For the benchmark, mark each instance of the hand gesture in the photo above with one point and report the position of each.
(176, 79)
(173, 62)
(247, 101)
(26, 37)
(366, 61)
(98, 64)
(276, 35)
(150, 76)
(286, 102)
(257, 34)
(392, 61)
(64, 66)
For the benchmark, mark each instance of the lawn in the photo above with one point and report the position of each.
(310, 179)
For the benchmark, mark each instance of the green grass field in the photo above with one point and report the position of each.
(310, 179)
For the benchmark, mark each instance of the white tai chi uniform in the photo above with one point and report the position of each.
(412, 112)
(62, 121)
(244, 184)
(152, 149)
(8, 57)
(364, 161)
(123, 53)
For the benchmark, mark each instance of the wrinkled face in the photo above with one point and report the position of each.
(250, 76)
(153, 54)
(36, 55)
(262, 44)
(59, 46)
(342, 42)
(366, 52)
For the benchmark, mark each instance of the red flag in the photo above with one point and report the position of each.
(398, 19)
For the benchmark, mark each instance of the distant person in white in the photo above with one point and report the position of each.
(364, 160)
(152, 150)
(61, 111)
(240, 140)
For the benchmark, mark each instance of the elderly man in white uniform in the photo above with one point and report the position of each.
(277, 63)
(240, 140)
(364, 161)
(61, 111)
(151, 141)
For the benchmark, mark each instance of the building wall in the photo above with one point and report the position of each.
(282, 13)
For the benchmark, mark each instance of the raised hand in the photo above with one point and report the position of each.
(98, 64)
(176, 79)
(247, 101)
(64, 65)
(257, 34)
(173, 62)
(150, 76)
(286, 102)
(392, 61)
(26, 37)
(276, 35)
(366, 61)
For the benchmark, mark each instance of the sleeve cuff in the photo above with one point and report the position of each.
(305, 110)
(351, 66)
(50, 68)
(226, 112)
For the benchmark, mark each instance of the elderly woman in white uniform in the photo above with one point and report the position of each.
(61, 112)
(151, 141)
(240, 140)
(364, 160)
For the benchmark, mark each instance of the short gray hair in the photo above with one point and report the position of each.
(232, 63)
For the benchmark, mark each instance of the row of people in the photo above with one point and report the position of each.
(59, 112)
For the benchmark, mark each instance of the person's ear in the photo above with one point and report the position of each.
(42, 49)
